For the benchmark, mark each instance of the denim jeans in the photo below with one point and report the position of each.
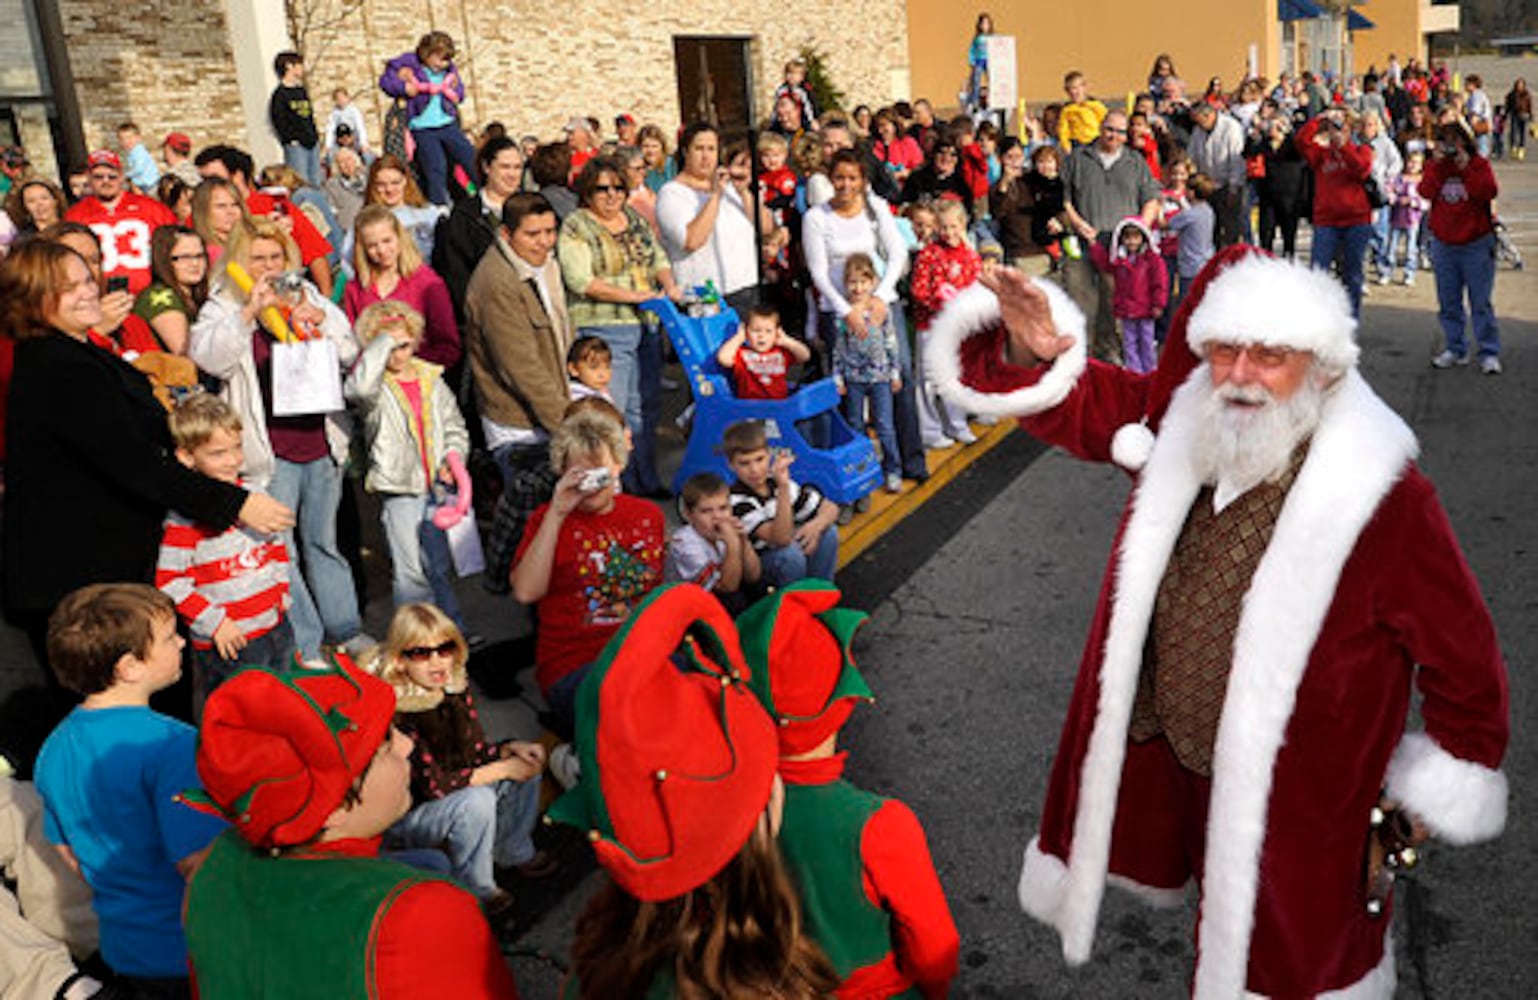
(436, 149)
(324, 603)
(880, 396)
(1404, 238)
(421, 567)
(273, 649)
(1331, 242)
(1466, 268)
(637, 360)
(1380, 240)
(786, 564)
(481, 829)
(905, 402)
(305, 161)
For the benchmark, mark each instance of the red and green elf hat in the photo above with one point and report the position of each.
(797, 640)
(278, 750)
(678, 758)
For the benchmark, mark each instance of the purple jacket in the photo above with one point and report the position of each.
(391, 83)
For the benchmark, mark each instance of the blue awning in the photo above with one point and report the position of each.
(1356, 22)
(1297, 10)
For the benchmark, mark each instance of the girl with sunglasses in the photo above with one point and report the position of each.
(476, 799)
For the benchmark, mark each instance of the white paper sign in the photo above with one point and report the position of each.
(1003, 84)
(306, 378)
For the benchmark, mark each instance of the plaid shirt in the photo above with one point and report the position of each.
(529, 488)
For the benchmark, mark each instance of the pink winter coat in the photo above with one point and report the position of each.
(1142, 280)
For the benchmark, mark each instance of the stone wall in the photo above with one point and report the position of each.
(165, 64)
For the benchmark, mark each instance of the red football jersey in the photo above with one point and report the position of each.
(124, 231)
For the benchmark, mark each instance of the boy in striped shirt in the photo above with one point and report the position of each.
(229, 586)
(794, 539)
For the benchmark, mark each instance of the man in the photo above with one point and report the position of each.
(836, 135)
(176, 154)
(517, 334)
(1217, 149)
(1105, 184)
(626, 130)
(237, 167)
(1281, 576)
(472, 225)
(925, 130)
(294, 900)
(122, 221)
(292, 117)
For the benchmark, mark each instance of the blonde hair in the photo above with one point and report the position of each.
(202, 195)
(586, 432)
(773, 140)
(948, 207)
(195, 419)
(284, 176)
(381, 315)
(255, 229)
(420, 625)
(378, 215)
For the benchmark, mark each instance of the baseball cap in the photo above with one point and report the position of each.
(104, 158)
(179, 141)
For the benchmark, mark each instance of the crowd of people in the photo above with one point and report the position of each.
(206, 364)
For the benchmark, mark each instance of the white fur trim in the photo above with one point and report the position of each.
(1267, 300)
(1379, 983)
(1460, 801)
(1155, 896)
(1359, 451)
(976, 310)
(1043, 877)
(1131, 445)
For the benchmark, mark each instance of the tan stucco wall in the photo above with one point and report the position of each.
(1396, 28)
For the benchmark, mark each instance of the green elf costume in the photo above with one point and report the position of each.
(868, 885)
(282, 907)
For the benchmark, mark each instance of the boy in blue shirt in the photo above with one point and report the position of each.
(110, 773)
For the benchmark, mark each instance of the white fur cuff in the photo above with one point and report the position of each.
(976, 310)
(1459, 801)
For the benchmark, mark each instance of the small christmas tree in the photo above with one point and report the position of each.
(819, 80)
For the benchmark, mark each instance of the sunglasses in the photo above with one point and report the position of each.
(420, 654)
(608, 189)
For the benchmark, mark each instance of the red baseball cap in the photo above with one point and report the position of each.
(104, 158)
(179, 141)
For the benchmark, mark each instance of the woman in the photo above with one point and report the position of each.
(298, 458)
(1283, 189)
(175, 194)
(217, 210)
(611, 262)
(387, 265)
(1342, 214)
(90, 475)
(390, 184)
(1163, 69)
(641, 198)
(899, 153)
(1012, 204)
(1461, 186)
(940, 178)
(703, 217)
(856, 221)
(860, 122)
(34, 205)
(1214, 94)
(660, 167)
(1519, 117)
(179, 262)
(1386, 165)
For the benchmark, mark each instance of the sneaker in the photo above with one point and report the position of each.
(845, 514)
(965, 436)
(1447, 359)
(1490, 365)
(894, 483)
(357, 645)
(938, 444)
(1409, 281)
(1384, 278)
(564, 766)
(862, 505)
(496, 904)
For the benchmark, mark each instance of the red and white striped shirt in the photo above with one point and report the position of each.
(212, 575)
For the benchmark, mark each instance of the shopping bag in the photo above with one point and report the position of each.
(465, 547)
(306, 378)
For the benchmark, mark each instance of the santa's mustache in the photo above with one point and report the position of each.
(1251, 394)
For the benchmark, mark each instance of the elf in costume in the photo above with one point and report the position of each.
(1282, 576)
(683, 815)
(294, 901)
(868, 886)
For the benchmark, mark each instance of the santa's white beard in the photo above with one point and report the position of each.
(1244, 446)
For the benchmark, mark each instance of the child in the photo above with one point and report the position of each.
(777, 188)
(866, 365)
(292, 116)
(590, 363)
(414, 432)
(759, 355)
(1405, 217)
(430, 83)
(1078, 122)
(794, 539)
(478, 799)
(587, 556)
(1142, 289)
(1193, 227)
(922, 222)
(231, 586)
(859, 860)
(943, 268)
(138, 164)
(345, 113)
(796, 89)
(1140, 136)
(1050, 228)
(712, 549)
(110, 772)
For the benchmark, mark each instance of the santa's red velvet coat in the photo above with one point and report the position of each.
(1361, 593)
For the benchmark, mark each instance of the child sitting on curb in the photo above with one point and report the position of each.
(712, 549)
(792, 526)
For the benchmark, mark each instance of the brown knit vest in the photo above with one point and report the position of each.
(1196, 616)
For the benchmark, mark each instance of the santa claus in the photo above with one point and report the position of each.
(1282, 575)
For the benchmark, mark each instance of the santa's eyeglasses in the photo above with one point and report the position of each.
(1260, 355)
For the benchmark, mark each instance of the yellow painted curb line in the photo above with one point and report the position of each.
(887, 510)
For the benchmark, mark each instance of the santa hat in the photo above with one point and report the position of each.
(797, 640)
(279, 750)
(1132, 443)
(678, 758)
(1277, 303)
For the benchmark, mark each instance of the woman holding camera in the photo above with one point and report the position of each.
(1342, 212)
(1460, 185)
(703, 216)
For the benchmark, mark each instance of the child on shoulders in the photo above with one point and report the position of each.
(712, 548)
(110, 773)
(590, 365)
(759, 355)
(230, 586)
(792, 526)
(1078, 123)
(867, 366)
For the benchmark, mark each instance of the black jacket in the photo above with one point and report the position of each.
(462, 240)
(90, 474)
